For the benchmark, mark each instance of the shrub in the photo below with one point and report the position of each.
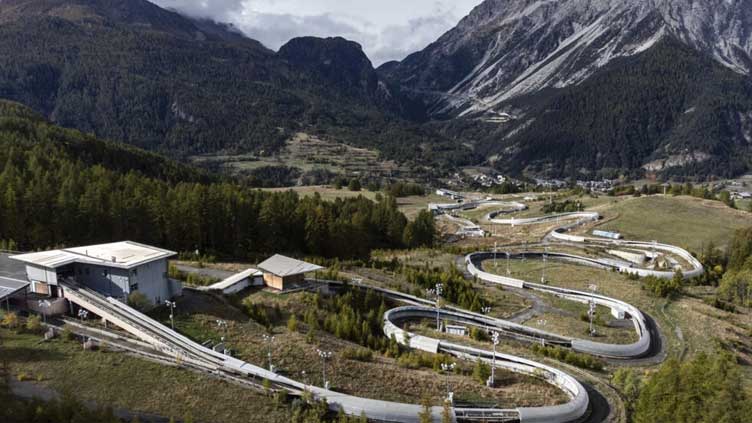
(358, 354)
(481, 371)
(139, 301)
(292, 323)
(10, 320)
(34, 324)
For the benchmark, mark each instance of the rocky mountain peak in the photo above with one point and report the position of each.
(507, 48)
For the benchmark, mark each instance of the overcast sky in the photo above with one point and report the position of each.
(387, 29)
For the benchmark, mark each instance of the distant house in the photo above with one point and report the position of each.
(116, 270)
(283, 273)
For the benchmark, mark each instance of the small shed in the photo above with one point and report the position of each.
(283, 273)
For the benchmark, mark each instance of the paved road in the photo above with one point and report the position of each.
(203, 271)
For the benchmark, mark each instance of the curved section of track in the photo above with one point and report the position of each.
(637, 349)
(574, 409)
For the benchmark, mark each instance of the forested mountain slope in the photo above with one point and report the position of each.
(576, 87)
(130, 71)
(669, 110)
(61, 187)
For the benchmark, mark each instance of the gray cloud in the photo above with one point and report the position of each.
(219, 10)
(274, 30)
(385, 32)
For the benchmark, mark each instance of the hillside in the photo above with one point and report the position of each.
(133, 72)
(62, 187)
(571, 88)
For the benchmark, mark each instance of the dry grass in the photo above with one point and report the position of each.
(308, 152)
(382, 378)
(121, 381)
(684, 221)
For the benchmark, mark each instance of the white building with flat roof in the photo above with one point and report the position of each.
(116, 270)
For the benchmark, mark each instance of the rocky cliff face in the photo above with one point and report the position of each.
(509, 48)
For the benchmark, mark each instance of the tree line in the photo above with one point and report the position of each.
(52, 195)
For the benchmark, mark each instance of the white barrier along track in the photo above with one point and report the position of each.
(176, 345)
(634, 350)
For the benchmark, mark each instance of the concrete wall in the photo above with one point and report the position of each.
(150, 279)
(41, 274)
(153, 282)
(108, 281)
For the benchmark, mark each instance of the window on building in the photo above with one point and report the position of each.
(135, 272)
(105, 273)
(134, 287)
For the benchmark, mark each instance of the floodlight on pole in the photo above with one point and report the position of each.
(325, 355)
(269, 340)
(448, 367)
(82, 314)
(495, 246)
(495, 340)
(171, 305)
(222, 324)
(592, 307)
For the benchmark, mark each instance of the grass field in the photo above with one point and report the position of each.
(684, 221)
(382, 378)
(118, 380)
(306, 153)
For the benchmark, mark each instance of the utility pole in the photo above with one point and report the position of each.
(171, 304)
(325, 355)
(269, 340)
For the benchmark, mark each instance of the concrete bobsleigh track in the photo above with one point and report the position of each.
(187, 351)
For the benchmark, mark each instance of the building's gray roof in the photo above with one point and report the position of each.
(285, 266)
(124, 255)
(10, 286)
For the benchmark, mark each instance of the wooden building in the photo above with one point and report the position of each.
(284, 273)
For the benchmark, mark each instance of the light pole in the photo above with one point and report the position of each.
(495, 339)
(171, 304)
(495, 243)
(486, 311)
(545, 259)
(448, 368)
(437, 291)
(542, 323)
(592, 309)
(269, 340)
(509, 272)
(325, 355)
(222, 324)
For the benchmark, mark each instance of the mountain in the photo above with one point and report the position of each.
(131, 71)
(554, 86)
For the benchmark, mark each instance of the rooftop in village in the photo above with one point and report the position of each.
(125, 255)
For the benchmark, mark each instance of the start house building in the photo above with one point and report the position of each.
(114, 270)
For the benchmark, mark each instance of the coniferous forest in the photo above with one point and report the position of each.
(59, 187)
